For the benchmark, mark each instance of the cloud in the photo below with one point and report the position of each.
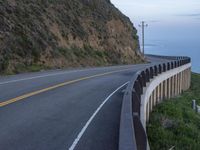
(154, 21)
(194, 16)
(156, 11)
(189, 15)
(197, 18)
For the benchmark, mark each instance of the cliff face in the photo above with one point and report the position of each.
(64, 33)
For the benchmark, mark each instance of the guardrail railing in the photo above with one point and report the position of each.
(132, 132)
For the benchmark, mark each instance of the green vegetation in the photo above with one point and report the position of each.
(85, 52)
(64, 33)
(86, 56)
(175, 124)
(29, 68)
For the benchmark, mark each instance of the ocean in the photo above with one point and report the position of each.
(174, 39)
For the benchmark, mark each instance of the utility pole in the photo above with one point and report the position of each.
(143, 25)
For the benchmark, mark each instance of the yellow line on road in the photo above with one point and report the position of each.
(13, 100)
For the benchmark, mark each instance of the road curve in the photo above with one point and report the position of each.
(63, 109)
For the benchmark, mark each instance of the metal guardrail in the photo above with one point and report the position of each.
(132, 133)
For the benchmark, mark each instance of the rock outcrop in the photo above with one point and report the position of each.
(64, 33)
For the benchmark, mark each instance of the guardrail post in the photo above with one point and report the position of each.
(181, 81)
(155, 70)
(147, 112)
(184, 83)
(158, 90)
(168, 66)
(178, 82)
(189, 77)
(142, 100)
(161, 91)
(187, 72)
(169, 88)
(164, 90)
(173, 88)
(184, 80)
(147, 75)
(136, 102)
(140, 134)
(175, 85)
(151, 103)
(154, 97)
(157, 93)
(151, 72)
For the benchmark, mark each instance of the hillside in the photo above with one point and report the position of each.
(64, 33)
(174, 124)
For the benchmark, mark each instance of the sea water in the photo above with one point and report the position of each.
(175, 39)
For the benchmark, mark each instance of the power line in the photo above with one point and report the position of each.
(143, 25)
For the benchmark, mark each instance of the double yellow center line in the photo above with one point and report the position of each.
(13, 100)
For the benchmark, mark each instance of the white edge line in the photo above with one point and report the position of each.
(41, 76)
(47, 75)
(92, 117)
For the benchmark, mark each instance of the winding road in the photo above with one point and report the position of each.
(64, 109)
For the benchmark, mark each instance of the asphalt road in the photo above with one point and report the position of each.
(63, 109)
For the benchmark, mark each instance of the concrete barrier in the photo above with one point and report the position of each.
(148, 88)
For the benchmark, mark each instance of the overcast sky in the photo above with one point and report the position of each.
(160, 10)
(174, 25)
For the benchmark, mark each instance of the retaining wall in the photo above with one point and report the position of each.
(148, 88)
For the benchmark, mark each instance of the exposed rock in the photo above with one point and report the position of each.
(64, 33)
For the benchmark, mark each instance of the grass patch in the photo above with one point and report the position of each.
(87, 56)
(174, 123)
(29, 68)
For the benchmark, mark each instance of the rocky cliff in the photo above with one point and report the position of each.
(64, 33)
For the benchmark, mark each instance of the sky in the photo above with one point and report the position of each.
(173, 26)
(178, 20)
(160, 10)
